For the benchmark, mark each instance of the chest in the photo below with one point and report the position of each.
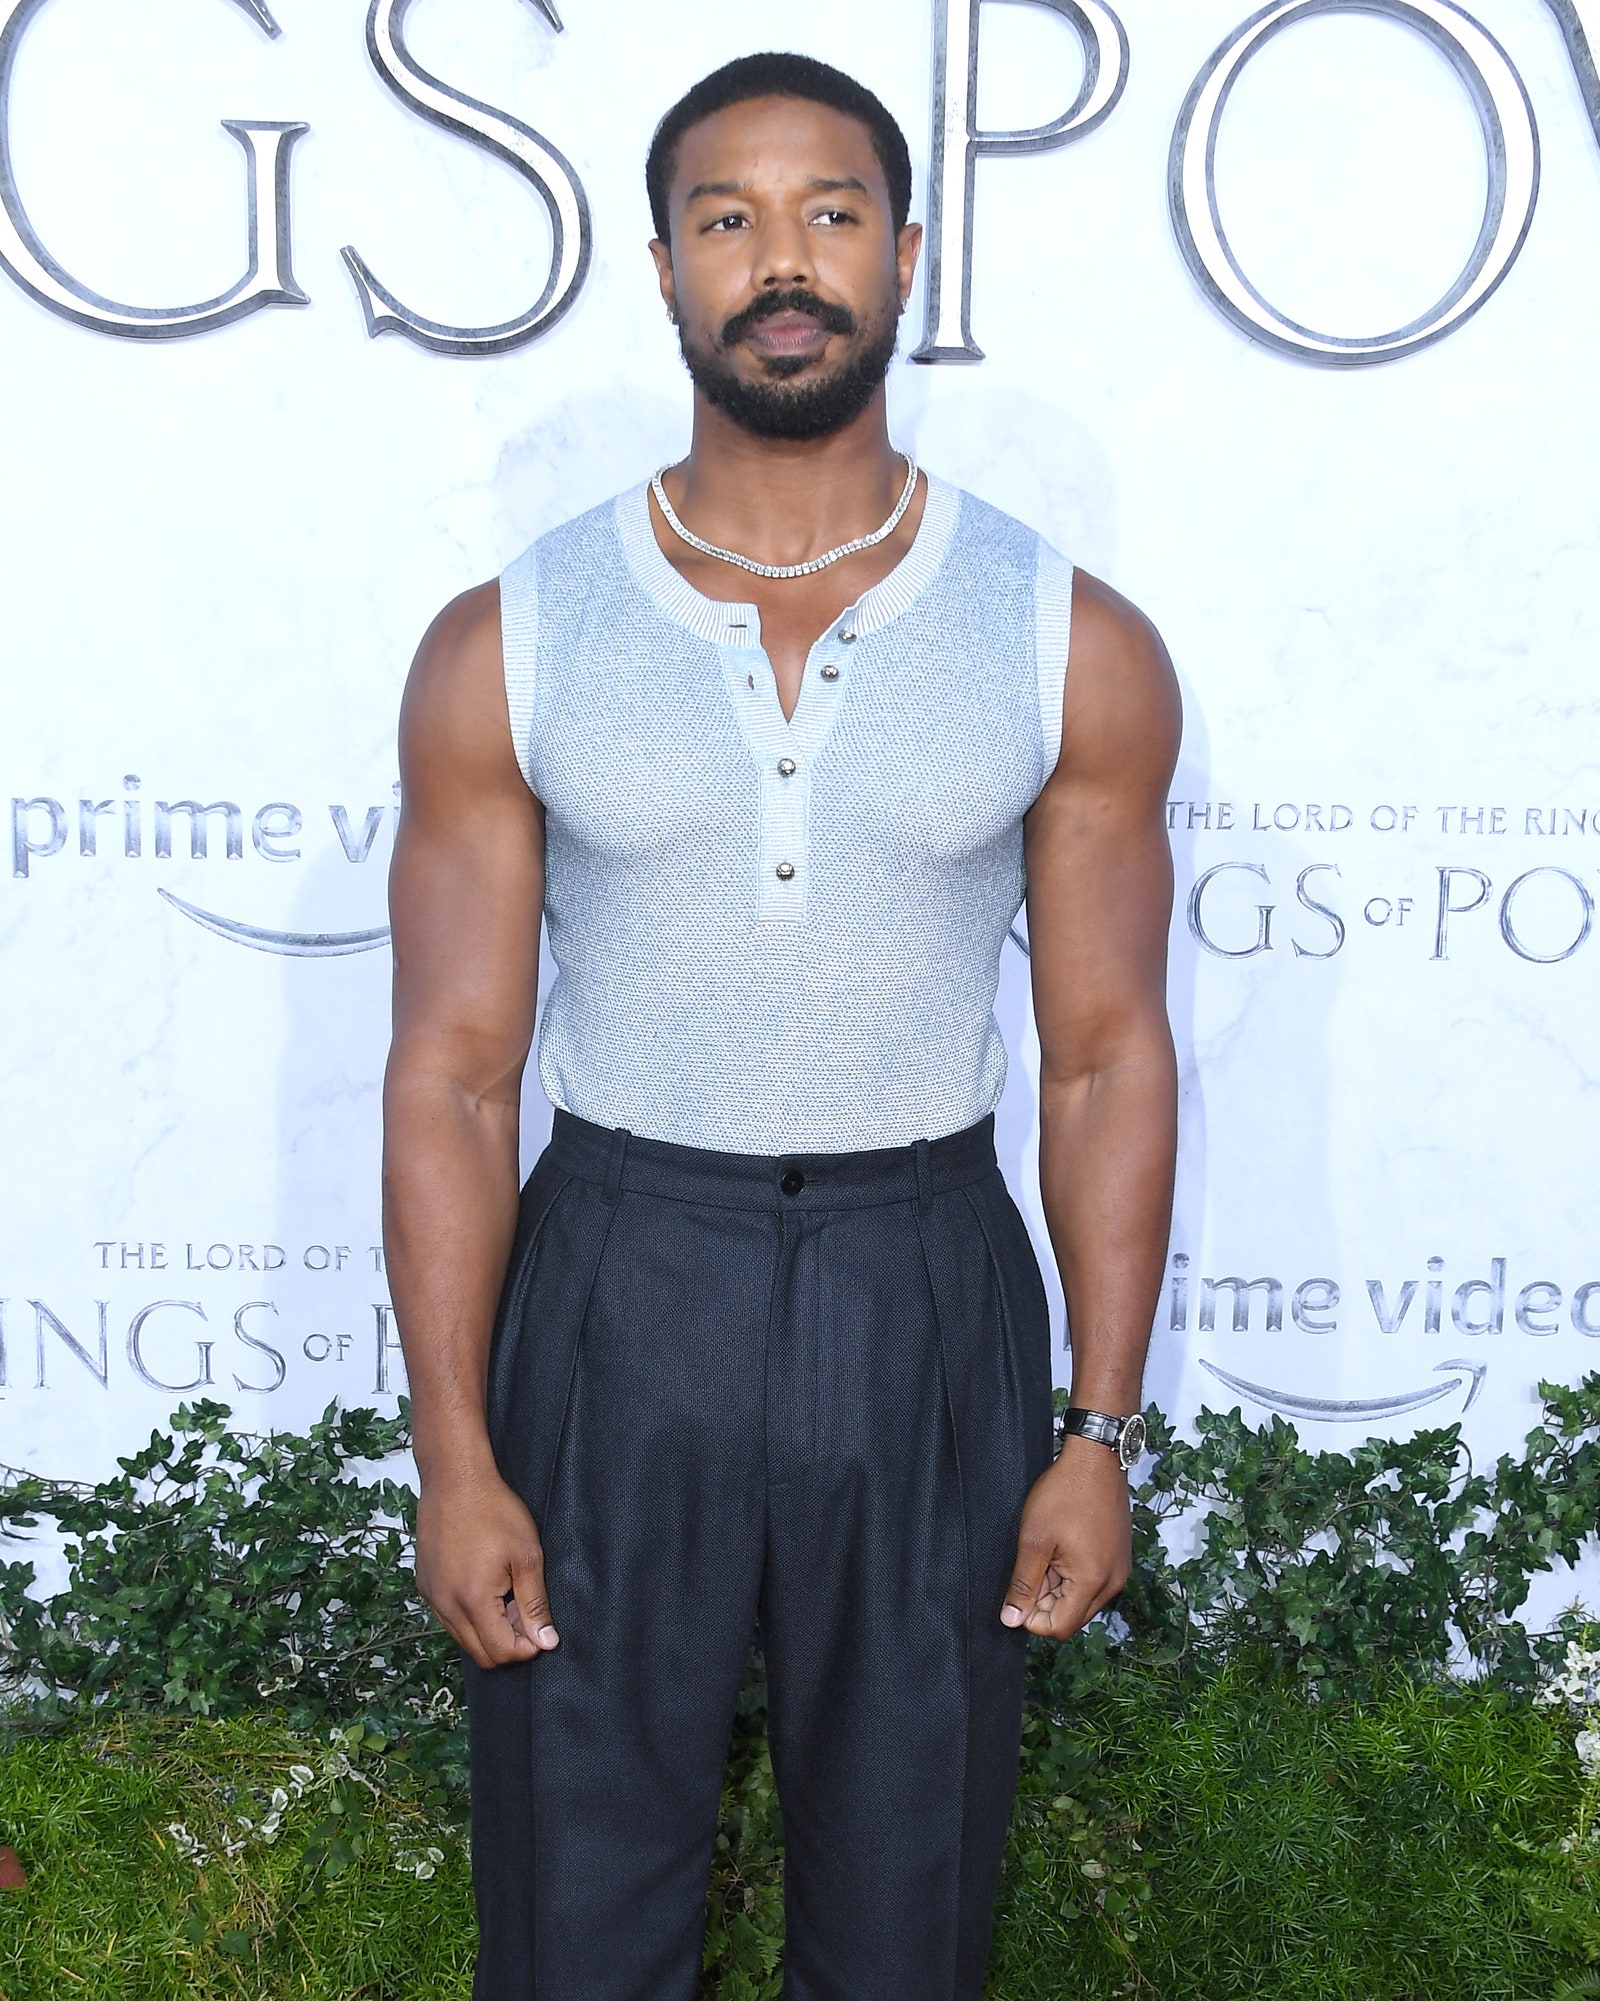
(686, 752)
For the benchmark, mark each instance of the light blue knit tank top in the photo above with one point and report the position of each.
(770, 936)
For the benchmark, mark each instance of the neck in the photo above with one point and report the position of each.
(785, 500)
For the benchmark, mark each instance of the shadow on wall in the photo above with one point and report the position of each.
(579, 452)
(335, 1010)
(323, 1319)
(1166, 1368)
(1030, 457)
(336, 1013)
(1033, 459)
(1255, 965)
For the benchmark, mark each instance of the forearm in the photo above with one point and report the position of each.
(449, 1221)
(1108, 1143)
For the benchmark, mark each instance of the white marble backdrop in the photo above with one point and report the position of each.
(1379, 584)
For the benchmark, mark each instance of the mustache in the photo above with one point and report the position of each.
(837, 319)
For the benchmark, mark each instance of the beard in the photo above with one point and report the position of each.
(777, 407)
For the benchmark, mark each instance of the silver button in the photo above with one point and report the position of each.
(785, 871)
(830, 673)
(786, 767)
(848, 637)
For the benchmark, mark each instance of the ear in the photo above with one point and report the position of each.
(907, 249)
(662, 253)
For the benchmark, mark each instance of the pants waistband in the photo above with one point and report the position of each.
(619, 1160)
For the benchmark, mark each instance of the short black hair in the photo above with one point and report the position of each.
(777, 75)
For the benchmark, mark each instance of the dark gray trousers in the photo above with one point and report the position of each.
(808, 1393)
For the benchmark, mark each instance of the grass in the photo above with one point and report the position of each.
(1348, 1852)
(1195, 1841)
(114, 1911)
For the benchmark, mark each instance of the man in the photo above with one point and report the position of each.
(767, 1348)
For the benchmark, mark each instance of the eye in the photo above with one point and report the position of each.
(833, 215)
(727, 222)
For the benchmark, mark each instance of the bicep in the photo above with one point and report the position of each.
(467, 882)
(1098, 858)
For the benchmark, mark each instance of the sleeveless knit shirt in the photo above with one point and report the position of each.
(782, 937)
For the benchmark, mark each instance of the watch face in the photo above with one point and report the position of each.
(1131, 1443)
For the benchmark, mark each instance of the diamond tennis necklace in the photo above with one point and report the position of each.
(787, 569)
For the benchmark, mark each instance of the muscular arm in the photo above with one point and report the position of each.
(1099, 903)
(465, 892)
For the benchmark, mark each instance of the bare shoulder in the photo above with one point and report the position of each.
(455, 727)
(1121, 712)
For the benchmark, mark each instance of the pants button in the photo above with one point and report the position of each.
(792, 1182)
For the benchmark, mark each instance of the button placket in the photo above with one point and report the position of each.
(785, 856)
(785, 751)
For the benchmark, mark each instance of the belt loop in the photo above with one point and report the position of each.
(924, 1174)
(619, 1153)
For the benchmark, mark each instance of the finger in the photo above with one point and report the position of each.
(492, 1639)
(464, 1633)
(528, 1606)
(1066, 1610)
(1027, 1580)
(452, 1626)
(1049, 1596)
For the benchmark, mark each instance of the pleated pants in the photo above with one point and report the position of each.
(803, 1395)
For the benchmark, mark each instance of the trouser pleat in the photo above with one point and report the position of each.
(724, 1412)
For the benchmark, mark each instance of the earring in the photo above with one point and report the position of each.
(672, 317)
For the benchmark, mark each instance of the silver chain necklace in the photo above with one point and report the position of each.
(787, 569)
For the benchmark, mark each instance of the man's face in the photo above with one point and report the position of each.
(784, 270)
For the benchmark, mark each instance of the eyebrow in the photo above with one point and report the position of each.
(818, 185)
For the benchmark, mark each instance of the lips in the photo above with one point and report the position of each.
(787, 334)
(789, 326)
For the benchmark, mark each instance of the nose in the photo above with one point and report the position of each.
(783, 255)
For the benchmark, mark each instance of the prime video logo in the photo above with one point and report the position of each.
(136, 829)
(1430, 1307)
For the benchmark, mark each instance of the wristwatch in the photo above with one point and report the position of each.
(1125, 1435)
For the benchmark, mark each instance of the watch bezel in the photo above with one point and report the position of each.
(1125, 1436)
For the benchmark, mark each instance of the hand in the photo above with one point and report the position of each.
(1075, 1549)
(480, 1566)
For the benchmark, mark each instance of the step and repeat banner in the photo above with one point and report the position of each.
(1282, 322)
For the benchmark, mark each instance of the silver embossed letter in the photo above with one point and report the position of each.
(957, 142)
(268, 279)
(522, 148)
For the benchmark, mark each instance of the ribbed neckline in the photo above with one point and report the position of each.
(726, 623)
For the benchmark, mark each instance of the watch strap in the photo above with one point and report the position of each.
(1091, 1424)
(1124, 1435)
